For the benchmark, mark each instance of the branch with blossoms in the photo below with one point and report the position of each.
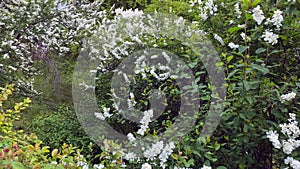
(289, 141)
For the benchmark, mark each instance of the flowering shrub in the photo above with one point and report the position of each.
(289, 131)
(256, 40)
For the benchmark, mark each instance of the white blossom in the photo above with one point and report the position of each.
(218, 38)
(206, 167)
(287, 97)
(270, 37)
(274, 138)
(277, 18)
(258, 15)
(233, 46)
(237, 10)
(98, 166)
(130, 137)
(146, 166)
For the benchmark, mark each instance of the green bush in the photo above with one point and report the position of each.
(60, 127)
(19, 150)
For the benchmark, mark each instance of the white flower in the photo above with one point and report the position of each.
(99, 116)
(129, 13)
(154, 150)
(237, 10)
(218, 38)
(130, 156)
(5, 56)
(288, 160)
(166, 152)
(206, 167)
(288, 147)
(244, 37)
(106, 112)
(233, 46)
(273, 137)
(13, 68)
(242, 26)
(142, 130)
(277, 18)
(287, 97)
(98, 166)
(146, 166)
(258, 15)
(130, 137)
(203, 16)
(295, 164)
(270, 37)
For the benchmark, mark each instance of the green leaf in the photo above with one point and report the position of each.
(221, 167)
(246, 3)
(260, 68)
(234, 29)
(219, 64)
(17, 165)
(209, 157)
(255, 2)
(246, 85)
(242, 49)
(260, 50)
(229, 58)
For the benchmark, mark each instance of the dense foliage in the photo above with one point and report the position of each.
(257, 47)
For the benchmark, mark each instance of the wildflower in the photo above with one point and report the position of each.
(106, 112)
(154, 150)
(287, 97)
(242, 26)
(98, 166)
(270, 37)
(258, 15)
(273, 137)
(206, 167)
(130, 137)
(237, 10)
(233, 46)
(243, 35)
(104, 115)
(6, 150)
(203, 16)
(218, 38)
(130, 156)
(277, 18)
(146, 166)
(288, 160)
(166, 152)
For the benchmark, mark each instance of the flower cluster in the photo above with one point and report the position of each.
(206, 167)
(270, 37)
(287, 97)
(233, 46)
(237, 10)
(218, 38)
(146, 166)
(104, 115)
(292, 132)
(34, 29)
(292, 162)
(145, 122)
(258, 15)
(206, 8)
(277, 18)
